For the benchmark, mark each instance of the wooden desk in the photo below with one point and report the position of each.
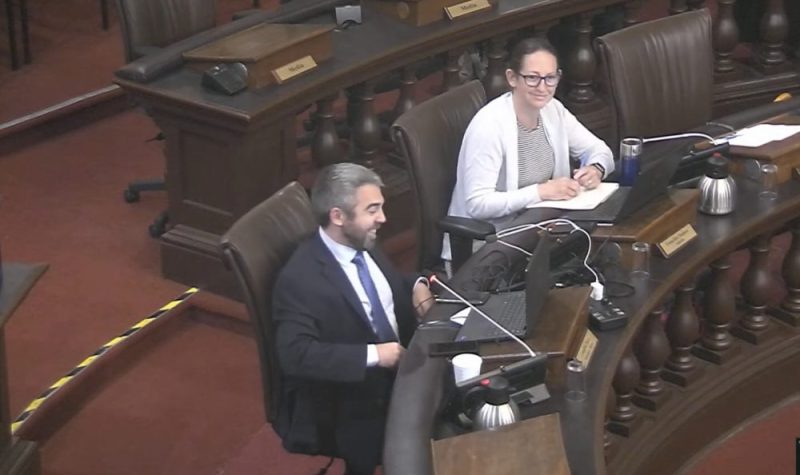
(670, 422)
(651, 224)
(783, 153)
(17, 457)
(225, 154)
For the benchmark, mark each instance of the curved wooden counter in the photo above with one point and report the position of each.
(683, 419)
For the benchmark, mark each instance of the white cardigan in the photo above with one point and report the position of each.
(487, 177)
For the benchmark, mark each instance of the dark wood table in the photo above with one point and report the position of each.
(17, 457)
(755, 372)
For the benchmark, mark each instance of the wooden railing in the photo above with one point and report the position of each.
(685, 378)
(702, 352)
(253, 140)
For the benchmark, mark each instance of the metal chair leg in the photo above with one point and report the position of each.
(26, 34)
(104, 13)
(12, 34)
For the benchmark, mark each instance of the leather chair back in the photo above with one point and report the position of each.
(256, 247)
(659, 74)
(429, 137)
(148, 25)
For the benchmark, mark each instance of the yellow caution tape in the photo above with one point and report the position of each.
(36, 403)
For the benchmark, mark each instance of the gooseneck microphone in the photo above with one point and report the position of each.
(433, 279)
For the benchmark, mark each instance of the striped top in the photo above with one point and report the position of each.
(536, 158)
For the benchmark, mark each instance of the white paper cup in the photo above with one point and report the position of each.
(466, 366)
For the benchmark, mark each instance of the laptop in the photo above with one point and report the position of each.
(651, 183)
(516, 311)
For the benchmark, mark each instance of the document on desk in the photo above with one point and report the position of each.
(761, 134)
(586, 199)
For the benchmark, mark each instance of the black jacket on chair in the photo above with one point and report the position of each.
(332, 403)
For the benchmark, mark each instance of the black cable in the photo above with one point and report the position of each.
(324, 469)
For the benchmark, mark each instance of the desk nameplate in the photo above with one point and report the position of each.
(425, 12)
(466, 8)
(675, 242)
(586, 349)
(294, 69)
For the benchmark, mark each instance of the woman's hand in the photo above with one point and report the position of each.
(562, 188)
(588, 177)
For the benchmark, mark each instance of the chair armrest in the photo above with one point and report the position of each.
(467, 227)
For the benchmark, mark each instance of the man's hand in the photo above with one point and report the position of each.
(588, 177)
(389, 354)
(559, 189)
(422, 299)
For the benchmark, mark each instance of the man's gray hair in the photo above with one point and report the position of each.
(336, 187)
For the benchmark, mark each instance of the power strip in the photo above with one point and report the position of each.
(604, 315)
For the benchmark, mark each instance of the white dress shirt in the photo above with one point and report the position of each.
(344, 256)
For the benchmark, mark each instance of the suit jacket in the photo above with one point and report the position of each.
(332, 403)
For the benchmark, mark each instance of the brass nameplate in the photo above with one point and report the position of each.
(465, 8)
(586, 350)
(676, 241)
(294, 69)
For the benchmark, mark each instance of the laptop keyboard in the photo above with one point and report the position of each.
(512, 316)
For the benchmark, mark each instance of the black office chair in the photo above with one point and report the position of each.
(147, 26)
(256, 248)
(659, 75)
(429, 138)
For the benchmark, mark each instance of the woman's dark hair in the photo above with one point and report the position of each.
(528, 46)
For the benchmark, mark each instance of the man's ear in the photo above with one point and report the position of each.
(336, 216)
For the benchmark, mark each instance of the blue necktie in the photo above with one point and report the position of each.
(380, 323)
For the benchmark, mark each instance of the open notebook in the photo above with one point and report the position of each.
(586, 199)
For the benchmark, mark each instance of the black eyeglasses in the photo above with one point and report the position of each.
(533, 80)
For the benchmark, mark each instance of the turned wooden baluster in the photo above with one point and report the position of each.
(366, 127)
(696, 4)
(495, 80)
(325, 148)
(451, 69)
(631, 12)
(624, 382)
(683, 330)
(581, 63)
(611, 405)
(677, 6)
(719, 308)
(725, 36)
(791, 272)
(773, 29)
(651, 348)
(755, 287)
(406, 99)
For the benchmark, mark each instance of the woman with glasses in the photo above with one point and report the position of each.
(517, 149)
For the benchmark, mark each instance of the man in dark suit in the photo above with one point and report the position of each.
(342, 317)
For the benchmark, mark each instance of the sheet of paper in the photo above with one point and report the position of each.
(586, 199)
(761, 134)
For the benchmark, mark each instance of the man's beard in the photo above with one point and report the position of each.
(362, 241)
